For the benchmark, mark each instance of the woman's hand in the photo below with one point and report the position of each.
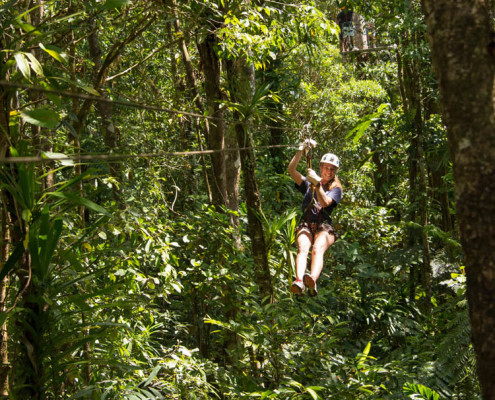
(307, 144)
(312, 177)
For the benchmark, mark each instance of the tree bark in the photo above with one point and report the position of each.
(4, 239)
(240, 73)
(216, 138)
(462, 42)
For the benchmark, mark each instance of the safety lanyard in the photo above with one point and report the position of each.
(309, 155)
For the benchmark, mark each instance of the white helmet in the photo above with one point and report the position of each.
(330, 159)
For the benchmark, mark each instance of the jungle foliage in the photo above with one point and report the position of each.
(124, 276)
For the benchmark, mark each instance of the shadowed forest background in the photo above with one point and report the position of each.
(147, 218)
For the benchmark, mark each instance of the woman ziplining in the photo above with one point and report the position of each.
(321, 195)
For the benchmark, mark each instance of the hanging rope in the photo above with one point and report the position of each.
(309, 154)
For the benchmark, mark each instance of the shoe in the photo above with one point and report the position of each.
(297, 287)
(310, 282)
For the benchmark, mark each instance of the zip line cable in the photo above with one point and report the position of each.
(118, 157)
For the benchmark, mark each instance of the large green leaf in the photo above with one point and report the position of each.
(28, 28)
(12, 260)
(363, 125)
(82, 86)
(56, 52)
(23, 65)
(42, 117)
(81, 201)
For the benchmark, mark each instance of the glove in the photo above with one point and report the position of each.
(313, 177)
(308, 143)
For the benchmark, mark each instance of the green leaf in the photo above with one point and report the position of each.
(56, 52)
(86, 393)
(82, 86)
(63, 158)
(11, 261)
(364, 355)
(28, 28)
(42, 117)
(313, 394)
(152, 375)
(81, 201)
(365, 122)
(420, 392)
(111, 4)
(23, 65)
(52, 242)
(35, 64)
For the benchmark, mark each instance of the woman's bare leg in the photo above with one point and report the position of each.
(303, 240)
(323, 240)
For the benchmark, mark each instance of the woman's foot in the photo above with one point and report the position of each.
(297, 287)
(310, 282)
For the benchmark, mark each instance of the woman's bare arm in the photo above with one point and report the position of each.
(292, 168)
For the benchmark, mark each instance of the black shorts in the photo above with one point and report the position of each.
(315, 227)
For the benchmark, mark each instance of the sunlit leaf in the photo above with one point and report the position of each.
(56, 52)
(313, 394)
(63, 158)
(28, 28)
(111, 4)
(35, 64)
(23, 65)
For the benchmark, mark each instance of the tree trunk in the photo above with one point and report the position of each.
(360, 38)
(417, 177)
(193, 87)
(272, 77)
(109, 130)
(4, 244)
(216, 138)
(462, 42)
(242, 75)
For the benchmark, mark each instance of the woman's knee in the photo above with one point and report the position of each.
(318, 251)
(303, 250)
(321, 246)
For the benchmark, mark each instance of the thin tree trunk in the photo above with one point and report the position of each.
(216, 138)
(417, 180)
(441, 194)
(109, 130)
(193, 87)
(462, 41)
(243, 76)
(4, 246)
